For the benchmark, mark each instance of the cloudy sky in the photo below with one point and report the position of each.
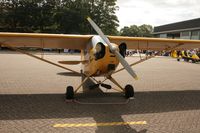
(156, 12)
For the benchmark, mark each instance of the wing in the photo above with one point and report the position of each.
(44, 40)
(143, 43)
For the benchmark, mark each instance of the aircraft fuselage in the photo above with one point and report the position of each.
(100, 61)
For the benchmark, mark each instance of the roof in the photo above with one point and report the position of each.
(193, 24)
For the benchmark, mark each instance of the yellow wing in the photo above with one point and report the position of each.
(44, 40)
(80, 41)
(144, 43)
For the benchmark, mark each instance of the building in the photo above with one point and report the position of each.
(189, 29)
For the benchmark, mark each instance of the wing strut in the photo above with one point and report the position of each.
(47, 61)
(149, 57)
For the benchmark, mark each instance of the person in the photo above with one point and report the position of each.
(178, 53)
(192, 52)
(198, 53)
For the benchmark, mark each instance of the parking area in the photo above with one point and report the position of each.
(167, 98)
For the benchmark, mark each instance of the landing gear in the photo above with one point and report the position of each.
(129, 91)
(70, 90)
(69, 93)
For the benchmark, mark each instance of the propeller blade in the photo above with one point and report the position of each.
(113, 49)
(101, 34)
(126, 65)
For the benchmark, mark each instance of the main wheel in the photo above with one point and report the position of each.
(69, 92)
(129, 91)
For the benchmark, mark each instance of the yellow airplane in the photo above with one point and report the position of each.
(100, 54)
(188, 57)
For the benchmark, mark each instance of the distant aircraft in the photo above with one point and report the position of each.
(100, 54)
(194, 57)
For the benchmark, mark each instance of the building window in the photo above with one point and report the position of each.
(187, 33)
(163, 35)
(195, 35)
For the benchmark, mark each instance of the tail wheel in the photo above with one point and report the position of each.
(129, 91)
(69, 92)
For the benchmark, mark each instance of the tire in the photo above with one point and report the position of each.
(69, 92)
(129, 91)
(178, 59)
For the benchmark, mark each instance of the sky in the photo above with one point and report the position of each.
(156, 12)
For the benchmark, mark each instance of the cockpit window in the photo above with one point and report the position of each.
(98, 48)
(99, 51)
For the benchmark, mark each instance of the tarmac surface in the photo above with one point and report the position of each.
(167, 98)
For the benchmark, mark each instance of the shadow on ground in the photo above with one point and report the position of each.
(54, 106)
(47, 106)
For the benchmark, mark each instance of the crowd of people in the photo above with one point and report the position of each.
(163, 53)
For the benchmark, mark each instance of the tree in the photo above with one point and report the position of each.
(145, 30)
(133, 30)
(137, 31)
(58, 16)
(103, 13)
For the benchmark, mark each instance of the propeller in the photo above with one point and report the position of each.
(113, 49)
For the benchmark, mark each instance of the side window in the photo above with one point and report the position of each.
(122, 49)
